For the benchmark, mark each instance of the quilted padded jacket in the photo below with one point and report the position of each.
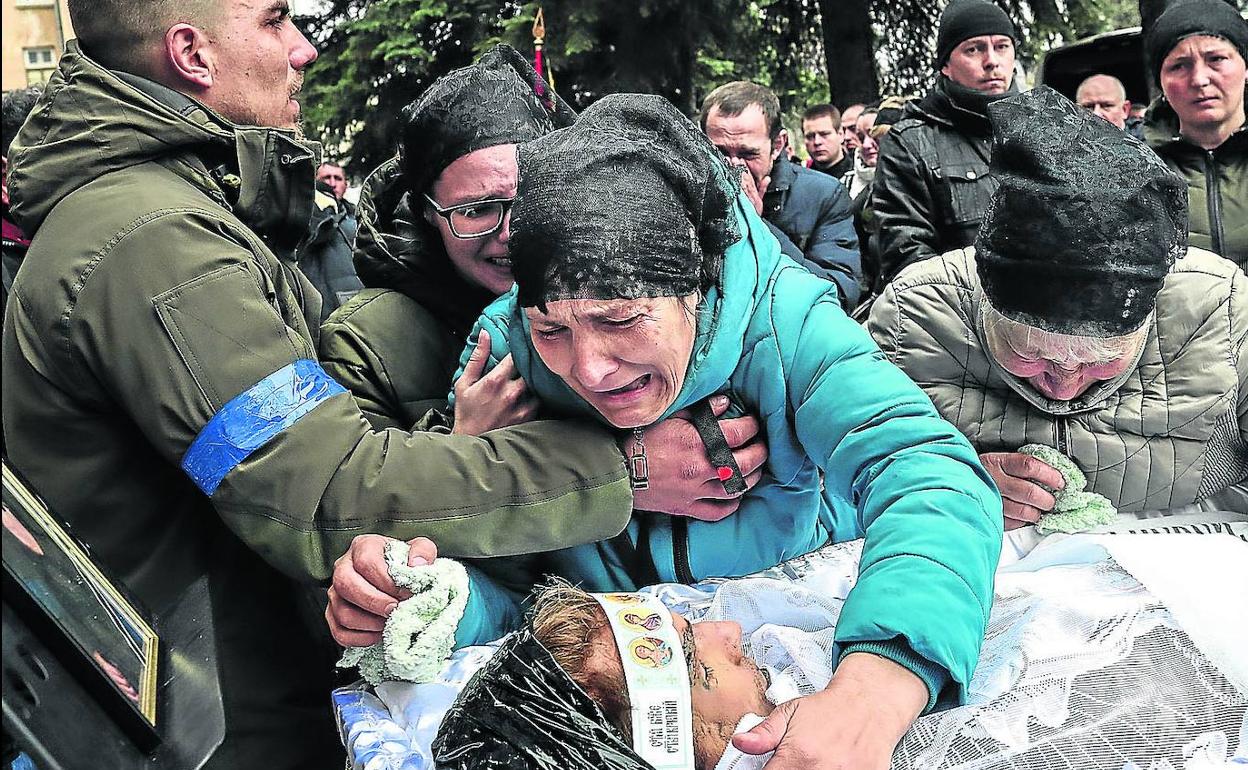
(1169, 432)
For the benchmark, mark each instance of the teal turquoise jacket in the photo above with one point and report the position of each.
(774, 338)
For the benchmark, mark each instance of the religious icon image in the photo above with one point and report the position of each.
(622, 598)
(650, 651)
(641, 621)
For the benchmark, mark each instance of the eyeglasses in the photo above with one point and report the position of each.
(474, 219)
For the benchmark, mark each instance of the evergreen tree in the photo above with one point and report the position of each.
(376, 56)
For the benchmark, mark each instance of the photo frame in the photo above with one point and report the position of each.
(99, 633)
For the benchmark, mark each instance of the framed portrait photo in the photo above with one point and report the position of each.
(95, 629)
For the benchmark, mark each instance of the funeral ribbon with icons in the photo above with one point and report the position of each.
(657, 678)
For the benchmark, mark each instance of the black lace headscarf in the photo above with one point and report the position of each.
(494, 101)
(632, 201)
(498, 100)
(1085, 225)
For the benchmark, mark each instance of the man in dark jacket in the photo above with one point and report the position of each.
(161, 384)
(331, 179)
(821, 129)
(334, 179)
(742, 119)
(325, 258)
(932, 183)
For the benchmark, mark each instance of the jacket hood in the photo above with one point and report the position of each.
(397, 249)
(92, 121)
(1161, 124)
(723, 318)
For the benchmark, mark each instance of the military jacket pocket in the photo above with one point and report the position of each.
(228, 332)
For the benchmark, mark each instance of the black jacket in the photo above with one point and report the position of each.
(325, 258)
(932, 183)
(14, 251)
(812, 209)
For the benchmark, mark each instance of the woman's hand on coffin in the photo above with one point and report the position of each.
(362, 595)
(853, 724)
(488, 401)
(682, 480)
(1022, 480)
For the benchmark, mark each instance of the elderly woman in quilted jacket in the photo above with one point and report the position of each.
(1082, 320)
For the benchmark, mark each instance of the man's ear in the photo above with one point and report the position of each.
(188, 56)
(945, 70)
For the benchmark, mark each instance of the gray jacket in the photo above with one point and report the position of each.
(1171, 431)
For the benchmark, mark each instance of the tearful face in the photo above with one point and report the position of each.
(626, 357)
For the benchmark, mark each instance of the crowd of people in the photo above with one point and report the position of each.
(622, 348)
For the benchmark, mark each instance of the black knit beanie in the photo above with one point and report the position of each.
(1085, 224)
(965, 19)
(498, 100)
(1194, 17)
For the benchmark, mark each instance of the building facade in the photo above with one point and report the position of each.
(35, 32)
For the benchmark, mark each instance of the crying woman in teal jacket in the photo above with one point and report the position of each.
(645, 284)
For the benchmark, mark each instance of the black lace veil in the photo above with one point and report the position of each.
(632, 201)
(1085, 225)
(499, 99)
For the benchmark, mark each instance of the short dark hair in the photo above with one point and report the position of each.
(823, 111)
(17, 105)
(115, 32)
(734, 98)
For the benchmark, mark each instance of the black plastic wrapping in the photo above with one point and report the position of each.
(523, 712)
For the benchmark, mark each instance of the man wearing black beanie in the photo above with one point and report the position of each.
(932, 181)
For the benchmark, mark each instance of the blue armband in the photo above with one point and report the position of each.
(252, 418)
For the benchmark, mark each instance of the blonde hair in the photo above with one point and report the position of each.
(567, 620)
(1059, 348)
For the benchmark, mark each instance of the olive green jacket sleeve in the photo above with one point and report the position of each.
(189, 310)
(394, 357)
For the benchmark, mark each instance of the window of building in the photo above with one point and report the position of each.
(40, 62)
(38, 58)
